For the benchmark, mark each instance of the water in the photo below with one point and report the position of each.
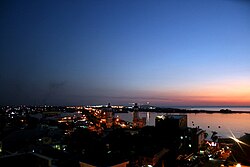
(225, 125)
(216, 108)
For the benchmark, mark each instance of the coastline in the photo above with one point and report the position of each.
(177, 110)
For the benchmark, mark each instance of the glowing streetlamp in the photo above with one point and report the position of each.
(238, 165)
(237, 140)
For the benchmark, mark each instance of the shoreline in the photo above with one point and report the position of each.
(201, 111)
(176, 110)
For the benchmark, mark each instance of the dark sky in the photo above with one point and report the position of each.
(166, 52)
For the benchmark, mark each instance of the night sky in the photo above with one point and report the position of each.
(84, 52)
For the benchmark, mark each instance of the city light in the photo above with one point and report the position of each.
(237, 140)
(238, 165)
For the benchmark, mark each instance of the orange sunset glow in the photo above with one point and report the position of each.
(220, 93)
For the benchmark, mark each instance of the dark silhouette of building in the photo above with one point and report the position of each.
(171, 122)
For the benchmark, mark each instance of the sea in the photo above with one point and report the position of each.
(234, 124)
(215, 108)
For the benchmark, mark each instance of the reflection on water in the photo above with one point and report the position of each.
(239, 124)
(222, 123)
(148, 117)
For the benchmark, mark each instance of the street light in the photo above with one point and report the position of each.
(238, 165)
(237, 140)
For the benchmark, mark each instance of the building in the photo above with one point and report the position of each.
(198, 139)
(137, 121)
(170, 130)
(192, 140)
(188, 140)
(241, 150)
(154, 157)
(109, 116)
(171, 122)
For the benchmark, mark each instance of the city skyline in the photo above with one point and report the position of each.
(168, 53)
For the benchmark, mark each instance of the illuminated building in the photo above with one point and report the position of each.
(109, 116)
(135, 115)
(137, 121)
